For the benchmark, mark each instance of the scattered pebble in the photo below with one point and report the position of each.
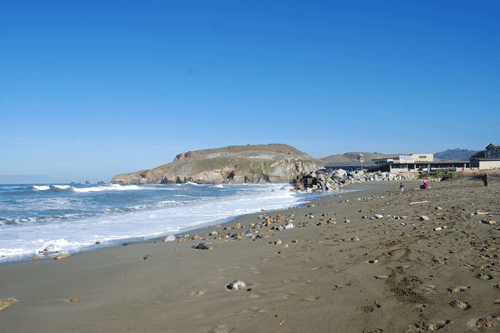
(62, 256)
(204, 246)
(5, 303)
(236, 284)
(169, 238)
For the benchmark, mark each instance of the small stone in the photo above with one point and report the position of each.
(236, 285)
(5, 303)
(75, 299)
(281, 252)
(378, 216)
(204, 246)
(62, 256)
(320, 224)
(424, 218)
(289, 226)
(97, 243)
(295, 241)
(169, 238)
(373, 261)
(355, 239)
(214, 233)
(36, 256)
(148, 256)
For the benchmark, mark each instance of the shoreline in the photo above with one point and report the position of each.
(356, 273)
(178, 234)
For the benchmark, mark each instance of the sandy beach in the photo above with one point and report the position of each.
(372, 260)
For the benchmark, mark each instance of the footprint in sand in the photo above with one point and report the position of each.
(460, 305)
(221, 329)
(431, 326)
(341, 286)
(287, 280)
(458, 289)
(484, 276)
(430, 290)
(370, 308)
(310, 298)
(256, 294)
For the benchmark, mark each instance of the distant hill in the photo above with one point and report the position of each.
(455, 154)
(353, 157)
(233, 164)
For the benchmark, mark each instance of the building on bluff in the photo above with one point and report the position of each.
(486, 159)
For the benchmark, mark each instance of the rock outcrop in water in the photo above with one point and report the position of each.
(233, 164)
(330, 181)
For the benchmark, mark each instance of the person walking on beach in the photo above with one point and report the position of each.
(401, 187)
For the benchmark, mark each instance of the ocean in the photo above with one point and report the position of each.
(72, 218)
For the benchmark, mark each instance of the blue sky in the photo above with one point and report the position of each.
(91, 89)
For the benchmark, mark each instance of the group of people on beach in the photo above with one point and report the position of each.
(424, 186)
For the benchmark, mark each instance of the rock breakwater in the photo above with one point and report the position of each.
(324, 181)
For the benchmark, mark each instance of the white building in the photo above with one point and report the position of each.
(486, 159)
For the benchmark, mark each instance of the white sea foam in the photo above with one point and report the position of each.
(61, 187)
(113, 187)
(41, 187)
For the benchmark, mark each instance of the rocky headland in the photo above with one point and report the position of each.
(233, 164)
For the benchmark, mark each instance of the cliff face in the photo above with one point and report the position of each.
(234, 164)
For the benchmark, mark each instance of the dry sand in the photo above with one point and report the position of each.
(353, 273)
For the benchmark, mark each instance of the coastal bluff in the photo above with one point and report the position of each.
(232, 164)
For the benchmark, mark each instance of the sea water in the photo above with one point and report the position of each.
(72, 218)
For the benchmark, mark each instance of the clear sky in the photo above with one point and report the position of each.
(91, 89)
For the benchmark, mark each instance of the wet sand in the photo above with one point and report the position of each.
(340, 270)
